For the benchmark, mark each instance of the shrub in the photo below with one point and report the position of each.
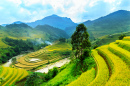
(33, 80)
(121, 36)
(95, 46)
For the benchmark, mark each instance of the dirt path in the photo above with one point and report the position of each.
(7, 64)
(56, 64)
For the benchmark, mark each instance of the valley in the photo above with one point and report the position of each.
(55, 51)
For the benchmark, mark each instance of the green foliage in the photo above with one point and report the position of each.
(84, 79)
(52, 33)
(80, 42)
(70, 72)
(65, 53)
(51, 73)
(95, 46)
(62, 39)
(14, 60)
(1, 80)
(17, 47)
(33, 80)
(121, 36)
(108, 39)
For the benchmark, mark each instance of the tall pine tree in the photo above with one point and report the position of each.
(80, 43)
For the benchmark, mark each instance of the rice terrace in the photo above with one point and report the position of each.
(65, 43)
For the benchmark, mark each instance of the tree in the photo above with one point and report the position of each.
(121, 36)
(62, 39)
(14, 60)
(1, 79)
(80, 43)
(33, 80)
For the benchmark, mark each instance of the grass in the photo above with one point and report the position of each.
(108, 39)
(18, 38)
(102, 70)
(59, 47)
(84, 79)
(1, 69)
(123, 44)
(4, 72)
(25, 73)
(120, 75)
(122, 53)
(49, 53)
(11, 78)
(12, 75)
(127, 38)
(112, 61)
(70, 73)
(64, 77)
(2, 44)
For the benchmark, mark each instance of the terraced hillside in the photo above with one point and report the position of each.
(43, 56)
(9, 75)
(108, 38)
(113, 66)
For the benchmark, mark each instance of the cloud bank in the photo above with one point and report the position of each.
(77, 10)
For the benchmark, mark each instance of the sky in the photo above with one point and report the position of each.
(77, 10)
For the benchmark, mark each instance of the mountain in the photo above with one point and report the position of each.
(55, 21)
(18, 22)
(23, 31)
(52, 32)
(18, 30)
(116, 22)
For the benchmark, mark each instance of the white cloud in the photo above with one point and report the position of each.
(77, 10)
(25, 11)
(109, 1)
(70, 8)
(17, 2)
(93, 3)
(1, 8)
(31, 2)
(118, 3)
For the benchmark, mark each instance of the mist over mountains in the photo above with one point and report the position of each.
(115, 22)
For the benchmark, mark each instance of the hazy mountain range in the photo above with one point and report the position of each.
(115, 22)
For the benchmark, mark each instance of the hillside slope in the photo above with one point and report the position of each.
(115, 22)
(11, 75)
(113, 65)
(43, 56)
(108, 39)
(51, 32)
(23, 31)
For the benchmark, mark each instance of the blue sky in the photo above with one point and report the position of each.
(77, 10)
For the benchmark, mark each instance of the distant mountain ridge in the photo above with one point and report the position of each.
(115, 22)
(23, 31)
(55, 21)
(52, 20)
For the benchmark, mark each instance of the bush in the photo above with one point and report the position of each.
(33, 80)
(62, 39)
(95, 46)
(121, 36)
(14, 60)
(51, 73)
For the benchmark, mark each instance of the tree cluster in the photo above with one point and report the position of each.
(34, 79)
(17, 46)
(121, 36)
(80, 43)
